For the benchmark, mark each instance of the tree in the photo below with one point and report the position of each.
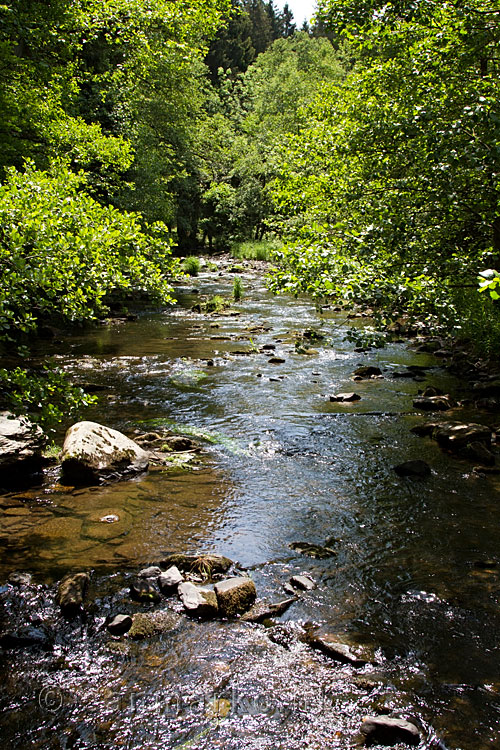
(393, 185)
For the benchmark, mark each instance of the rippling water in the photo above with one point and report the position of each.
(415, 577)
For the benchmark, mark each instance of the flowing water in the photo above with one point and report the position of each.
(415, 577)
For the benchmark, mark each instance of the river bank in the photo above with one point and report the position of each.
(413, 576)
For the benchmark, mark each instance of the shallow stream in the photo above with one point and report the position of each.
(415, 577)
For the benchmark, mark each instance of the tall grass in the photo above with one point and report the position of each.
(237, 289)
(191, 265)
(255, 249)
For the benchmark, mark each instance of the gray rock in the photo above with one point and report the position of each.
(152, 572)
(143, 590)
(71, 593)
(387, 730)
(170, 579)
(92, 452)
(304, 583)
(235, 595)
(262, 611)
(149, 624)
(337, 649)
(119, 624)
(21, 445)
(199, 602)
(415, 468)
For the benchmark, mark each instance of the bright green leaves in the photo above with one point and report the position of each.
(62, 253)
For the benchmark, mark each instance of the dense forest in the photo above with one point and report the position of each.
(133, 132)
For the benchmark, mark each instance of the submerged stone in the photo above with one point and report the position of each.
(262, 611)
(367, 372)
(388, 730)
(313, 550)
(148, 624)
(415, 468)
(143, 590)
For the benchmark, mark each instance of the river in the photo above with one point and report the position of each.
(415, 576)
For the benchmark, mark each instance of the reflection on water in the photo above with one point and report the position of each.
(416, 574)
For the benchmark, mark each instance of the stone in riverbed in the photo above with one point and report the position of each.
(205, 565)
(455, 435)
(119, 625)
(332, 646)
(169, 580)
(313, 550)
(388, 730)
(71, 593)
(434, 403)
(367, 372)
(21, 445)
(304, 583)
(235, 595)
(143, 590)
(152, 572)
(92, 453)
(199, 602)
(344, 398)
(415, 468)
(262, 611)
(148, 624)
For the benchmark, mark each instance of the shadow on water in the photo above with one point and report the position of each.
(281, 463)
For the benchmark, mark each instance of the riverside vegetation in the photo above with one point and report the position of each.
(362, 151)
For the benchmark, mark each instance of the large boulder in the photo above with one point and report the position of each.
(21, 445)
(92, 453)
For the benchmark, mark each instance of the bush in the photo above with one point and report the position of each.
(191, 265)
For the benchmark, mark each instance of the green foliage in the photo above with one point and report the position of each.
(62, 253)
(44, 396)
(389, 190)
(237, 289)
(215, 304)
(191, 265)
(255, 249)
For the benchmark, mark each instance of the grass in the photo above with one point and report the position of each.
(255, 249)
(237, 289)
(191, 265)
(215, 304)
